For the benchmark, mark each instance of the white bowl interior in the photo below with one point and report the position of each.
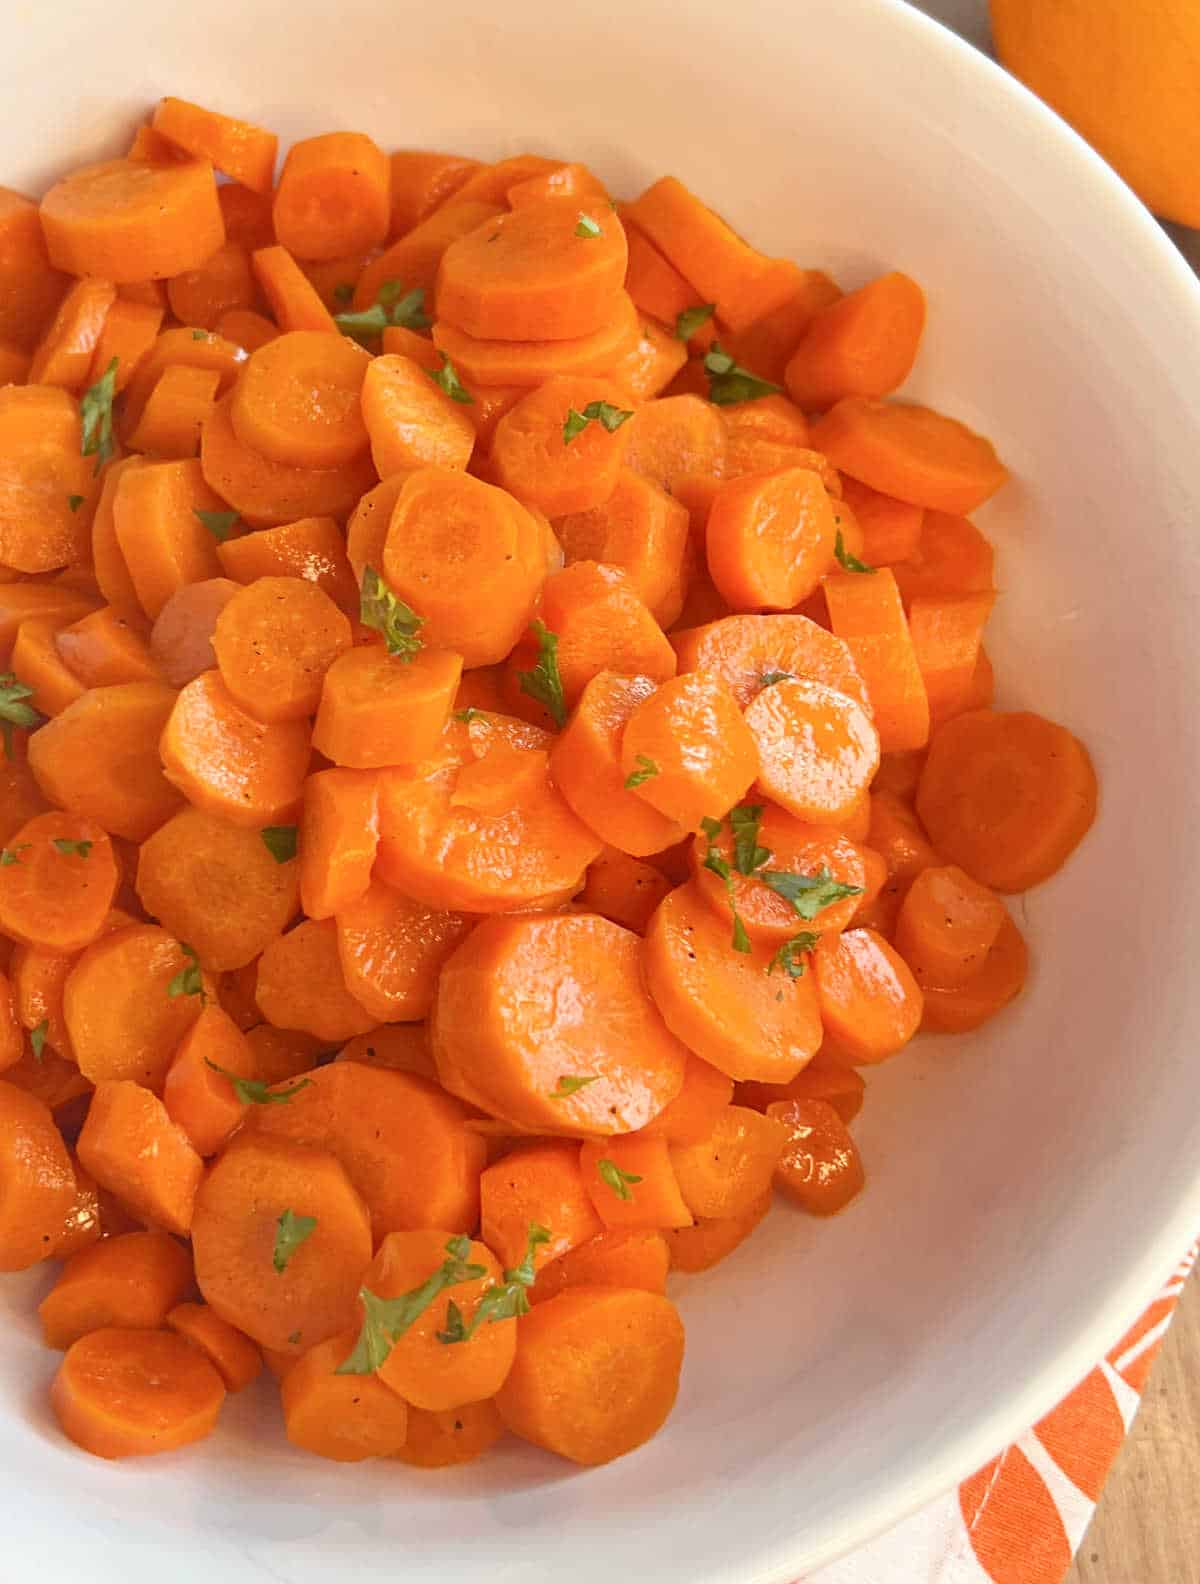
(1028, 1184)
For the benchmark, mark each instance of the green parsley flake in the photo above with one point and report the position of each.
(293, 1229)
(543, 683)
(646, 770)
(96, 417)
(690, 319)
(385, 1320)
(280, 841)
(729, 383)
(380, 610)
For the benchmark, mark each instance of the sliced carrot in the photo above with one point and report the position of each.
(529, 363)
(864, 344)
(655, 285)
(452, 1437)
(181, 638)
(235, 1231)
(163, 540)
(491, 183)
(536, 1185)
(467, 558)
(132, 1281)
(200, 1099)
(482, 1038)
(399, 341)
(820, 1168)
(312, 548)
(404, 1144)
(610, 1259)
(602, 625)
(338, 838)
(225, 761)
(12, 1039)
(411, 421)
(674, 438)
(127, 334)
(770, 538)
(54, 1081)
(895, 833)
(946, 926)
(623, 889)
(247, 215)
(766, 346)
(743, 650)
(698, 1248)
(36, 979)
(223, 284)
(448, 855)
(866, 613)
(997, 982)
(149, 144)
(794, 847)
(131, 1147)
(376, 709)
(891, 528)
(246, 328)
(283, 1053)
(946, 636)
(742, 282)
(234, 1357)
(64, 354)
(817, 748)
(631, 1183)
(648, 367)
(104, 650)
(842, 1087)
(30, 290)
(240, 149)
(870, 1002)
(179, 348)
(728, 1173)
(421, 1367)
(367, 529)
(346, 1418)
(297, 401)
(274, 642)
(124, 220)
(1007, 796)
(951, 558)
(130, 1393)
(37, 662)
(300, 984)
(640, 529)
(392, 949)
(293, 299)
(121, 1017)
(82, 1227)
(41, 469)
(175, 412)
(37, 1184)
(422, 182)
(413, 260)
(695, 1110)
(725, 1004)
(561, 446)
(573, 182)
(58, 882)
(53, 603)
(216, 885)
(334, 196)
(20, 796)
(911, 452)
(689, 742)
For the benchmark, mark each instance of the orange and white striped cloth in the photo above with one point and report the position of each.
(1021, 1518)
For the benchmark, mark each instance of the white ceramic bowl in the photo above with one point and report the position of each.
(1029, 1185)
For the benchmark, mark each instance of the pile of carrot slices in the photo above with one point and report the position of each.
(496, 734)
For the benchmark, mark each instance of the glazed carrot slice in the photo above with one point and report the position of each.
(421, 182)
(726, 1004)
(698, 1248)
(536, 1184)
(402, 1047)
(130, 1393)
(602, 625)
(864, 344)
(623, 889)
(403, 1143)
(611, 1259)
(234, 1357)
(550, 271)
(64, 354)
(450, 856)
(37, 1184)
(30, 290)
(124, 220)
(586, 765)
(648, 367)
(223, 284)
(235, 1232)
(770, 538)
(631, 1183)
(294, 301)
(55, 1082)
(842, 1087)
(452, 1437)
(742, 282)
(743, 650)
(104, 650)
(163, 542)
(36, 977)
(37, 662)
(574, 182)
(766, 345)
(491, 183)
(870, 1002)
(280, 1054)
(951, 558)
(334, 196)
(298, 400)
(655, 285)
(399, 341)
(413, 260)
(411, 421)
(561, 446)
(529, 363)
(728, 1173)
(946, 638)
(20, 796)
(82, 1227)
(274, 642)
(367, 529)
(793, 847)
(817, 748)
(640, 529)
(674, 438)
(467, 559)
(240, 149)
(421, 1367)
(122, 1019)
(392, 949)
(378, 709)
(946, 926)
(313, 548)
(132, 1281)
(820, 1168)
(486, 1042)
(217, 886)
(695, 1110)
(131, 1147)
(14, 364)
(179, 348)
(198, 1098)
(342, 1417)
(55, 604)
(338, 839)
(58, 882)
(896, 834)
(1007, 796)
(998, 981)
(689, 741)
(181, 638)
(223, 760)
(891, 528)
(175, 412)
(911, 452)
(300, 984)
(41, 468)
(866, 613)
(246, 328)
